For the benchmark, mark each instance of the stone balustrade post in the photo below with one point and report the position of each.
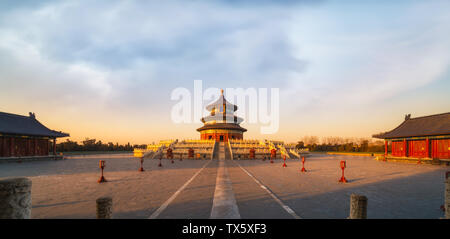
(104, 208)
(358, 207)
(15, 198)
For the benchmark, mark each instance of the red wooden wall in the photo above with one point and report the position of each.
(19, 147)
(216, 136)
(440, 148)
(437, 148)
(417, 148)
(398, 148)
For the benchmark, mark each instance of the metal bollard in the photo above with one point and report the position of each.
(358, 207)
(104, 208)
(15, 198)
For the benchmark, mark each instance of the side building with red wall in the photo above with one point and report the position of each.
(424, 138)
(25, 137)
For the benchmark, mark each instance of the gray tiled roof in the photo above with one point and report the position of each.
(25, 125)
(431, 125)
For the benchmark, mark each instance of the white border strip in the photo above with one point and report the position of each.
(284, 206)
(166, 203)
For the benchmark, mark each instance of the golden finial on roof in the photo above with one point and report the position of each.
(221, 91)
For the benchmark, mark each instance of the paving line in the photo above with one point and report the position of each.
(284, 206)
(224, 202)
(168, 201)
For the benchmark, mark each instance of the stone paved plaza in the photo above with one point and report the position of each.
(69, 188)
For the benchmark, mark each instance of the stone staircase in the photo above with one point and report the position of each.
(227, 150)
(221, 151)
(216, 151)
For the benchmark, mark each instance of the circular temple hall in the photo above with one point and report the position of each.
(221, 125)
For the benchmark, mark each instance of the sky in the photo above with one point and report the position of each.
(106, 69)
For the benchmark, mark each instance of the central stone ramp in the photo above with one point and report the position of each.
(221, 151)
(224, 203)
(227, 150)
(216, 150)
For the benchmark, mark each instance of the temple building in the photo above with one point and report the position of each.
(24, 136)
(221, 125)
(221, 137)
(424, 138)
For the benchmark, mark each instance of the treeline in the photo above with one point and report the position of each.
(338, 144)
(93, 145)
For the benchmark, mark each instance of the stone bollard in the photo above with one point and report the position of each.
(15, 198)
(358, 207)
(447, 198)
(104, 208)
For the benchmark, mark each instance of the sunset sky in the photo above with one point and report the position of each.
(106, 69)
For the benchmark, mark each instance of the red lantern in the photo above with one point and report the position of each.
(169, 153)
(273, 154)
(252, 153)
(191, 153)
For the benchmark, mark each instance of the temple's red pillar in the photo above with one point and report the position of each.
(12, 147)
(47, 148)
(385, 147)
(6, 152)
(427, 148)
(405, 148)
(35, 147)
(54, 146)
(28, 151)
(2, 154)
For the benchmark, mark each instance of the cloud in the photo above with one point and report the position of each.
(362, 54)
(148, 47)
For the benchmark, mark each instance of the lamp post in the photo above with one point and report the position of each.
(343, 166)
(141, 169)
(303, 164)
(102, 167)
